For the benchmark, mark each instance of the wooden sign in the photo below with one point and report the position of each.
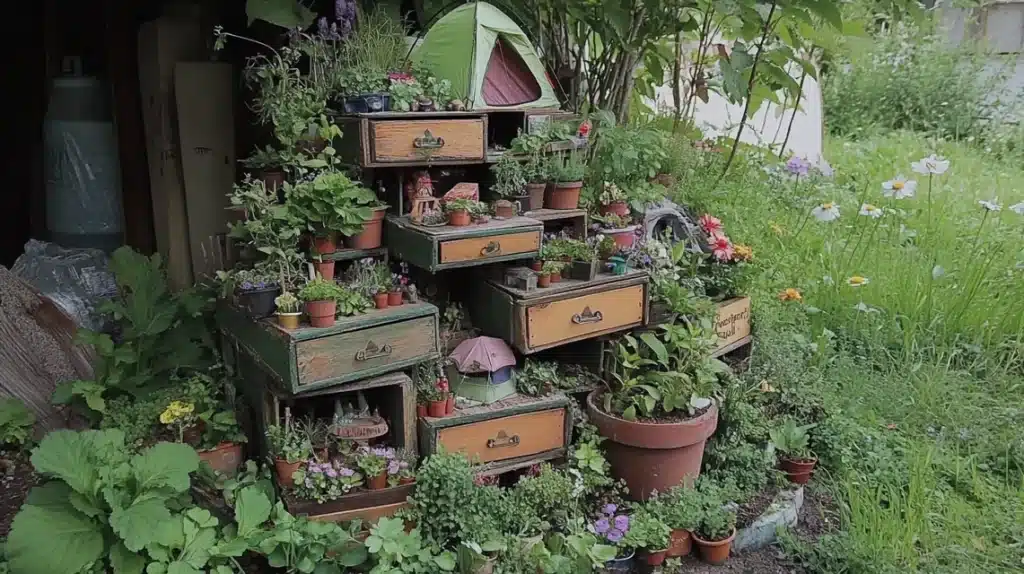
(732, 324)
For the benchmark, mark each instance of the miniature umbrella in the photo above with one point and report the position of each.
(482, 355)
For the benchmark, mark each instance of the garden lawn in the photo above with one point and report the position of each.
(922, 364)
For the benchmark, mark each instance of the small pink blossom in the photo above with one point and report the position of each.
(721, 247)
(710, 224)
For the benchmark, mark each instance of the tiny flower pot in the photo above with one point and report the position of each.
(284, 471)
(258, 303)
(624, 238)
(714, 551)
(394, 298)
(654, 557)
(225, 458)
(288, 320)
(616, 207)
(544, 280)
(321, 313)
(458, 218)
(537, 266)
(421, 410)
(556, 277)
(583, 270)
(535, 191)
(679, 543)
(324, 269)
(449, 406)
(272, 179)
(380, 300)
(437, 409)
(371, 235)
(564, 195)
(798, 471)
(505, 210)
(379, 482)
(325, 245)
(407, 480)
(623, 565)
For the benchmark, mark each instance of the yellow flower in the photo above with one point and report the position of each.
(176, 411)
(857, 281)
(742, 252)
(778, 229)
(790, 294)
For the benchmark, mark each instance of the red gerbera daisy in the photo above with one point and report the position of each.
(710, 224)
(721, 247)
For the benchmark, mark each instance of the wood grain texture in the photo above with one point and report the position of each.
(350, 353)
(368, 515)
(394, 140)
(597, 313)
(508, 437)
(480, 248)
(732, 321)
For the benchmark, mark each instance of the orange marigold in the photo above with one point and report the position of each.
(790, 294)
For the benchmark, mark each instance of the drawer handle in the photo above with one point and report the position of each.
(503, 440)
(372, 351)
(493, 248)
(587, 316)
(428, 141)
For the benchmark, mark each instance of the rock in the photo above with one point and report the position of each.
(783, 511)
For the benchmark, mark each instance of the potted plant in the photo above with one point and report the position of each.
(333, 203)
(681, 510)
(395, 291)
(553, 269)
(583, 257)
(222, 441)
(620, 229)
(509, 184)
(795, 456)
(611, 528)
(437, 402)
(401, 468)
(449, 405)
(255, 291)
(324, 481)
(288, 310)
(374, 464)
(268, 165)
(612, 200)
(567, 179)
(290, 447)
(715, 535)
(321, 298)
(364, 90)
(649, 536)
(459, 211)
(543, 278)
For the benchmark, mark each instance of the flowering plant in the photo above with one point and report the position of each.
(374, 461)
(253, 280)
(325, 481)
(723, 271)
(180, 415)
(610, 193)
(647, 531)
(400, 467)
(610, 526)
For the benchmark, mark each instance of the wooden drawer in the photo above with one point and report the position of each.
(351, 353)
(577, 317)
(509, 437)
(396, 141)
(479, 248)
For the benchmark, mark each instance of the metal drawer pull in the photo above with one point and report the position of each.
(503, 440)
(587, 316)
(428, 141)
(493, 248)
(372, 351)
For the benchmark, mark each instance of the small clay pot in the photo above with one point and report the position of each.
(437, 409)
(798, 471)
(324, 269)
(504, 210)
(535, 191)
(679, 543)
(449, 407)
(371, 235)
(421, 410)
(714, 551)
(288, 320)
(284, 470)
(616, 207)
(654, 557)
(394, 298)
(325, 245)
(537, 266)
(380, 300)
(224, 458)
(556, 277)
(544, 280)
(458, 218)
(321, 313)
(379, 482)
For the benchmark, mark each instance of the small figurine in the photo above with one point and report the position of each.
(456, 106)
(426, 104)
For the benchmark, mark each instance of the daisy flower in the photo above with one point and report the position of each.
(826, 212)
(931, 165)
(721, 247)
(790, 294)
(870, 211)
(990, 205)
(899, 187)
(1018, 208)
(710, 224)
(857, 281)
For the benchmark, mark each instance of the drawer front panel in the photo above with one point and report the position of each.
(419, 140)
(508, 437)
(347, 353)
(581, 316)
(485, 247)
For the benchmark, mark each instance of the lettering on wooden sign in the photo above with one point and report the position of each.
(732, 321)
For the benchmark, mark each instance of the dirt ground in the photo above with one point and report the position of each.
(16, 479)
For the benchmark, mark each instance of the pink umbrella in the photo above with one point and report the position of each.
(482, 355)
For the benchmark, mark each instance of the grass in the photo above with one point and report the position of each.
(926, 452)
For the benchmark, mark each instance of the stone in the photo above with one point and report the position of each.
(783, 511)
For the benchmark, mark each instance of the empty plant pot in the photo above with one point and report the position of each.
(288, 320)
(583, 270)
(394, 298)
(437, 409)
(284, 471)
(624, 238)
(622, 564)
(654, 557)
(371, 235)
(458, 218)
(506, 210)
(258, 303)
(565, 195)
(380, 300)
(535, 192)
(378, 482)
(679, 543)
(324, 269)
(224, 458)
(325, 245)
(616, 207)
(714, 551)
(798, 471)
(321, 313)
(544, 280)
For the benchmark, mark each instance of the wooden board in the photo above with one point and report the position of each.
(505, 438)
(573, 318)
(732, 321)
(398, 140)
(355, 501)
(479, 248)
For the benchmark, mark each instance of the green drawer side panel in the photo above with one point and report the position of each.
(268, 346)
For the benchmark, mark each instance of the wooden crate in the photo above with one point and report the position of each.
(355, 348)
(394, 139)
(732, 325)
(366, 505)
(566, 312)
(447, 247)
(517, 431)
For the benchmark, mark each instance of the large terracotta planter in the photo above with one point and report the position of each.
(284, 471)
(321, 313)
(653, 456)
(564, 195)
(797, 471)
(535, 191)
(679, 543)
(714, 551)
(224, 458)
(325, 245)
(616, 207)
(371, 235)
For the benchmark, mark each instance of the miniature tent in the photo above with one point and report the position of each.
(488, 59)
(481, 370)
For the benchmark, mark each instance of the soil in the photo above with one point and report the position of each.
(16, 479)
(751, 509)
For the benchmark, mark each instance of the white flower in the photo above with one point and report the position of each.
(931, 165)
(899, 187)
(827, 280)
(990, 205)
(870, 211)
(857, 281)
(826, 212)
(1018, 208)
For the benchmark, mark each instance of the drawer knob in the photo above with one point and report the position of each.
(373, 351)
(428, 141)
(502, 440)
(493, 248)
(587, 316)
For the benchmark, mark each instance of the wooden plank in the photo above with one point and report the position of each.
(514, 405)
(576, 317)
(556, 214)
(371, 318)
(270, 347)
(732, 321)
(507, 437)
(414, 115)
(397, 140)
(368, 515)
(487, 248)
(352, 254)
(448, 232)
(508, 465)
(354, 501)
(574, 287)
(732, 347)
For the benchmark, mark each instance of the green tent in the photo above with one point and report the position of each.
(488, 59)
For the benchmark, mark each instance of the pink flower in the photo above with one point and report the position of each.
(710, 224)
(721, 247)
(401, 77)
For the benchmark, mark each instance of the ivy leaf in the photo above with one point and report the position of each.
(166, 464)
(124, 561)
(138, 524)
(251, 510)
(73, 541)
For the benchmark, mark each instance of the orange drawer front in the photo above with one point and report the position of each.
(426, 140)
(486, 247)
(506, 438)
(580, 317)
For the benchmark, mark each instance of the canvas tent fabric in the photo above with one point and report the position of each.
(488, 59)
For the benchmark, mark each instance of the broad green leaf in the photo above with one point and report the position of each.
(252, 509)
(65, 455)
(179, 567)
(50, 540)
(138, 524)
(166, 464)
(125, 561)
(655, 345)
(629, 414)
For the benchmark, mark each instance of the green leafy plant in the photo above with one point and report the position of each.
(16, 423)
(269, 229)
(543, 501)
(296, 544)
(397, 551)
(352, 302)
(610, 193)
(404, 93)
(462, 204)
(333, 202)
(371, 461)
(717, 523)
(792, 440)
(509, 177)
(614, 221)
(567, 168)
(551, 267)
(647, 530)
(266, 158)
(321, 290)
(324, 481)
(287, 303)
(289, 442)
(450, 506)
(680, 508)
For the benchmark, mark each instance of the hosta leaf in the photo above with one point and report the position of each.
(165, 465)
(65, 455)
(179, 567)
(251, 510)
(52, 540)
(138, 524)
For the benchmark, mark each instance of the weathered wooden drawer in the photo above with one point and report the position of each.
(427, 140)
(487, 247)
(447, 247)
(567, 312)
(519, 428)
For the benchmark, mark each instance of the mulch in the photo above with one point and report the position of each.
(16, 479)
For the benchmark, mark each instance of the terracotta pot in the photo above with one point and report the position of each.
(325, 245)
(798, 471)
(370, 236)
(394, 298)
(556, 277)
(272, 178)
(224, 458)
(407, 480)
(653, 456)
(679, 543)
(288, 320)
(624, 238)
(544, 280)
(284, 471)
(616, 207)
(379, 482)
(505, 211)
(449, 406)
(458, 218)
(321, 313)
(324, 269)
(380, 300)
(654, 557)
(714, 551)
(564, 195)
(535, 191)
(421, 410)
(537, 266)
(437, 409)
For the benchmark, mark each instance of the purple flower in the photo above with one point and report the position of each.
(314, 468)
(394, 467)
(247, 286)
(331, 473)
(798, 166)
(601, 526)
(614, 535)
(610, 509)
(346, 471)
(622, 522)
